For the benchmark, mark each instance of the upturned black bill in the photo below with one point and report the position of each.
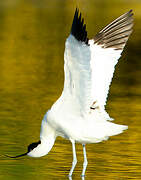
(16, 156)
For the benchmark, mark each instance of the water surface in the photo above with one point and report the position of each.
(32, 37)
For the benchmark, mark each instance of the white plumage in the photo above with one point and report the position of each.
(79, 114)
(103, 63)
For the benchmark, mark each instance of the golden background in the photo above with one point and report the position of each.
(32, 37)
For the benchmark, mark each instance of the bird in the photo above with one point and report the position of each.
(79, 114)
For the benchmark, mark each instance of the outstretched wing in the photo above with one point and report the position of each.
(89, 64)
(77, 67)
(106, 48)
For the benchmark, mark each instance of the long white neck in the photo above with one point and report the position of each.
(47, 137)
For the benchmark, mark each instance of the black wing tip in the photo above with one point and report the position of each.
(130, 13)
(78, 29)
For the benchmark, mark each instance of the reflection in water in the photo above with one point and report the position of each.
(82, 178)
(32, 36)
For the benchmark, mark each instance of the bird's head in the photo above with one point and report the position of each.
(36, 149)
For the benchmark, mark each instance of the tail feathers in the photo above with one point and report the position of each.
(104, 130)
(114, 129)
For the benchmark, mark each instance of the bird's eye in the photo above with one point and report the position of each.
(33, 145)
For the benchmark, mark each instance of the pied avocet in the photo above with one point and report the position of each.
(79, 114)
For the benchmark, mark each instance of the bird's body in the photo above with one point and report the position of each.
(81, 129)
(79, 114)
(68, 122)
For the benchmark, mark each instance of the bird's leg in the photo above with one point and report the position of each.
(74, 162)
(85, 161)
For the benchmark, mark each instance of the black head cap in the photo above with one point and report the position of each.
(33, 145)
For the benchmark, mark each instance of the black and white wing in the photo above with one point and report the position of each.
(106, 49)
(89, 64)
(77, 67)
